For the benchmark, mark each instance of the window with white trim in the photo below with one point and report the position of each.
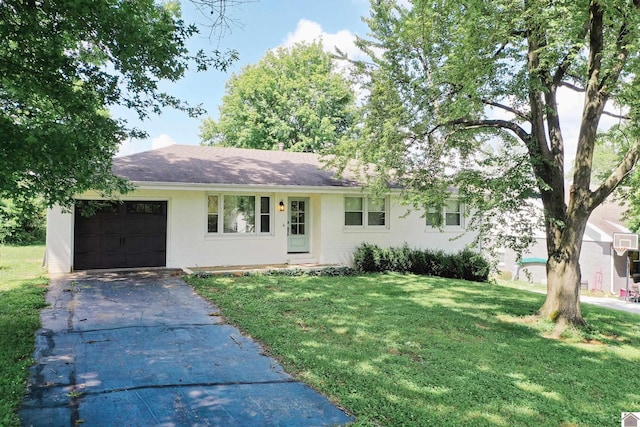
(451, 215)
(212, 213)
(265, 214)
(353, 211)
(362, 211)
(238, 214)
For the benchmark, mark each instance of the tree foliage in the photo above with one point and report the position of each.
(292, 96)
(465, 95)
(22, 221)
(62, 65)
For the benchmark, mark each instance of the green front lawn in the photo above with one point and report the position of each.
(409, 350)
(22, 289)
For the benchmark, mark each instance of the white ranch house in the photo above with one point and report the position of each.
(211, 206)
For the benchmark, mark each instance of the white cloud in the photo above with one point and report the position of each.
(308, 31)
(129, 146)
(162, 141)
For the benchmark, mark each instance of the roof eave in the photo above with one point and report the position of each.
(147, 185)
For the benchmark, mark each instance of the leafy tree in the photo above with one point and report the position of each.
(62, 64)
(292, 96)
(22, 221)
(466, 95)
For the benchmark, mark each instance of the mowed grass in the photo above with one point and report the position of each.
(22, 289)
(421, 351)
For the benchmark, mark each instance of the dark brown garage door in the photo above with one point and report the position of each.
(121, 235)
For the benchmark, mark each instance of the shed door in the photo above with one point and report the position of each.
(121, 235)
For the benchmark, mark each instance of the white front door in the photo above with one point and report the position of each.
(298, 225)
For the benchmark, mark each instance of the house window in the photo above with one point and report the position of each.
(433, 217)
(212, 213)
(451, 213)
(376, 211)
(353, 211)
(239, 214)
(365, 211)
(144, 208)
(236, 214)
(265, 214)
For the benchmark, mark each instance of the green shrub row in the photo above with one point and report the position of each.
(466, 264)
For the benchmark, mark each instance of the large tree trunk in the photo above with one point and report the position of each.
(563, 291)
(564, 243)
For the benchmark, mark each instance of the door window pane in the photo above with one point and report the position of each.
(297, 217)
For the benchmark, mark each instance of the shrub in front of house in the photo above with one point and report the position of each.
(466, 264)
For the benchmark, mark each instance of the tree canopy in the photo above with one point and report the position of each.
(62, 65)
(292, 96)
(465, 96)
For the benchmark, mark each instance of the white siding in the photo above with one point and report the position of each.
(59, 240)
(189, 244)
(338, 241)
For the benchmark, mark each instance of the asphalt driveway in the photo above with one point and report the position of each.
(142, 349)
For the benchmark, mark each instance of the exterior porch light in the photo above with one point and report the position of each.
(281, 206)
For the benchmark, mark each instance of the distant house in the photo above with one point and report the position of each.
(211, 206)
(602, 269)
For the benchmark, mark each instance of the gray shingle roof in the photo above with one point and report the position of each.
(608, 217)
(192, 164)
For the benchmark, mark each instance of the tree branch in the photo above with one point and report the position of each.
(497, 124)
(626, 165)
(593, 106)
(623, 53)
(617, 116)
(553, 128)
(506, 108)
(573, 87)
(568, 58)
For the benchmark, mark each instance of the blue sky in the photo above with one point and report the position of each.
(261, 25)
(267, 24)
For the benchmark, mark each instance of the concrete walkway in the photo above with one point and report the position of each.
(142, 349)
(612, 302)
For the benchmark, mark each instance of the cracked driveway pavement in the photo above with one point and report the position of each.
(142, 349)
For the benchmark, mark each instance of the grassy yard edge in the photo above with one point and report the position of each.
(22, 294)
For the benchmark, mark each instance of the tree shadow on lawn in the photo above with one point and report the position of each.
(416, 350)
(508, 373)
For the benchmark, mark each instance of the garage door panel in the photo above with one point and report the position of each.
(123, 235)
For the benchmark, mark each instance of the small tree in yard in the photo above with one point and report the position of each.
(465, 94)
